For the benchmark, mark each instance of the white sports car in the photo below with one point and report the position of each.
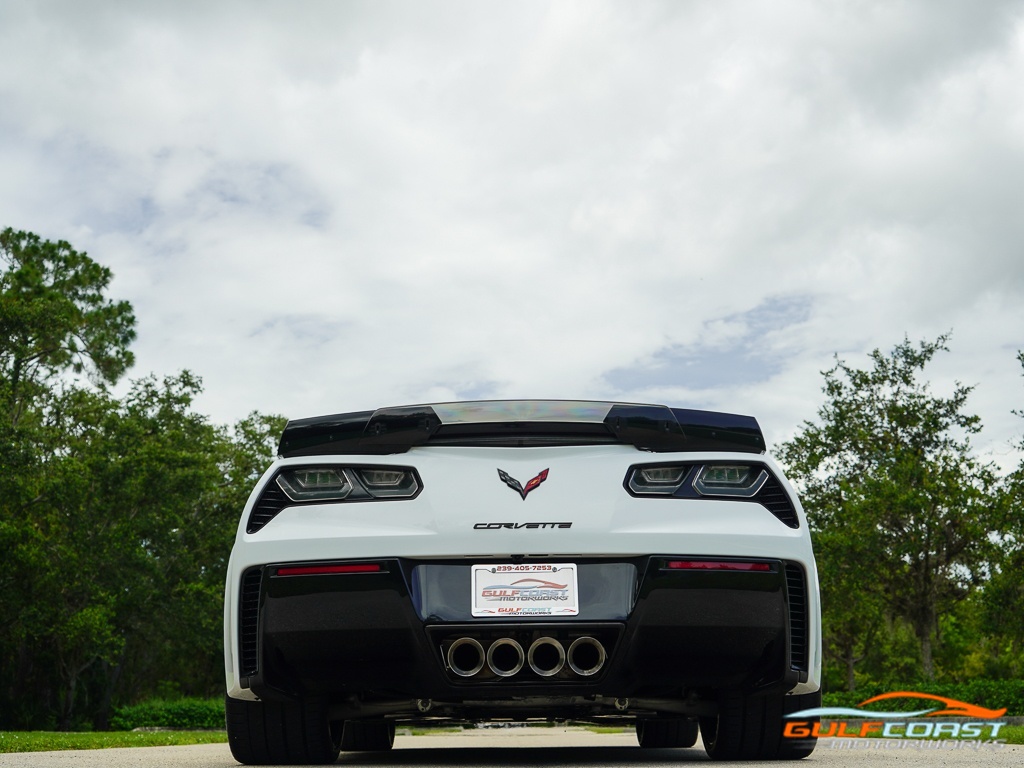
(515, 561)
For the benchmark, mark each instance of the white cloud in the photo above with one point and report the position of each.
(324, 206)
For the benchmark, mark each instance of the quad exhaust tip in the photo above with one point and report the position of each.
(546, 656)
(505, 657)
(466, 657)
(586, 656)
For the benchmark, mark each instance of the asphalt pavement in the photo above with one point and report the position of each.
(548, 747)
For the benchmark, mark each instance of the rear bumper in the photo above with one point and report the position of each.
(384, 636)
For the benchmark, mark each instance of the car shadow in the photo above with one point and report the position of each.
(507, 757)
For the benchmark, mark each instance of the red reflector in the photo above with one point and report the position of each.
(716, 565)
(319, 570)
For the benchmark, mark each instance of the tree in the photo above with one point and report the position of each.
(55, 318)
(1004, 594)
(55, 321)
(117, 515)
(127, 549)
(893, 492)
(853, 604)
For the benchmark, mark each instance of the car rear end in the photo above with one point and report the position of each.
(531, 561)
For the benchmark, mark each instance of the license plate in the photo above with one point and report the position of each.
(525, 589)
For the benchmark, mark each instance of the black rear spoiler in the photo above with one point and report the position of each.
(521, 423)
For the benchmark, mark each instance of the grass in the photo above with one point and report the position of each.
(430, 731)
(49, 741)
(1014, 734)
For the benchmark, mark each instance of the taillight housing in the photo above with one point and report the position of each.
(391, 483)
(658, 479)
(347, 483)
(736, 480)
(314, 484)
(729, 480)
(331, 484)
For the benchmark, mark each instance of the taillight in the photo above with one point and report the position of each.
(725, 480)
(734, 480)
(389, 483)
(658, 480)
(347, 483)
(298, 486)
(315, 484)
(729, 480)
(716, 565)
(323, 570)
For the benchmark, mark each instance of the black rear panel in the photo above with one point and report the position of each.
(365, 634)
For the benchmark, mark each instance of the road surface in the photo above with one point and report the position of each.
(511, 747)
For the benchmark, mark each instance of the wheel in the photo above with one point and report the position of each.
(269, 732)
(750, 728)
(794, 749)
(368, 735)
(666, 733)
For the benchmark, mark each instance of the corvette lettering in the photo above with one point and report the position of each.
(517, 526)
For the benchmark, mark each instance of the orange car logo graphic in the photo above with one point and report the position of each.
(953, 707)
(949, 707)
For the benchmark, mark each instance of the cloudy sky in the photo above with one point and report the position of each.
(331, 206)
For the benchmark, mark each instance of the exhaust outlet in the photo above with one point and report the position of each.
(546, 656)
(586, 656)
(505, 657)
(465, 657)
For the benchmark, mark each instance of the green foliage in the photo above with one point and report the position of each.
(1003, 607)
(54, 318)
(121, 557)
(187, 714)
(116, 513)
(902, 512)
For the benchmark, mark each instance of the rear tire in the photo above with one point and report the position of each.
(795, 749)
(666, 733)
(273, 732)
(368, 735)
(750, 728)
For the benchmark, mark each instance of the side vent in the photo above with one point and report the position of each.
(774, 498)
(270, 502)
(248, 623)
(796, 592)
